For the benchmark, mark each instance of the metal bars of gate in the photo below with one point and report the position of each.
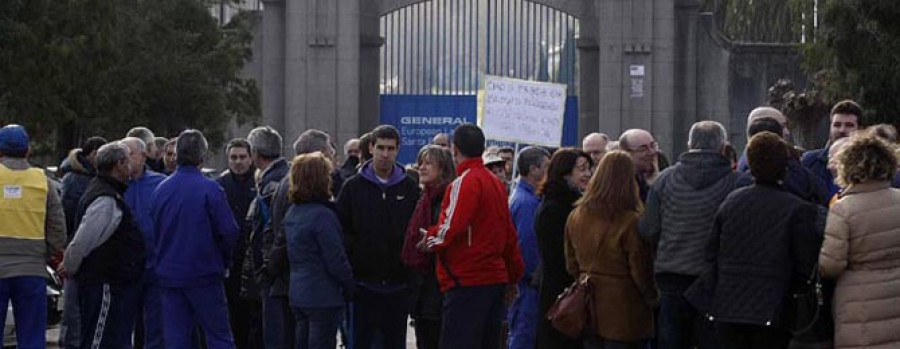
(445, 47)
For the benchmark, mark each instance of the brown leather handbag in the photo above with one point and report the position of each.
(572, 314)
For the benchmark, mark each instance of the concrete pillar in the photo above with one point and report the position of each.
(664, 64)
(273, 69)
(321, 67)
(610, 41)
(369, 70)
(686, 26)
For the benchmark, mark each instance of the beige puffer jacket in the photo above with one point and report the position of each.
(862, 251)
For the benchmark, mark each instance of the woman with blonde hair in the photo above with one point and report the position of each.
(321, 280)
(602, 241)
(862, 246)
(436, 171)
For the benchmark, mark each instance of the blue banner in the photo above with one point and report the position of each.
(420, 117)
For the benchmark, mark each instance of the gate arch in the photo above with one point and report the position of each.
(436, 53)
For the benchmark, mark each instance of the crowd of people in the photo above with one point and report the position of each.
(469, 246)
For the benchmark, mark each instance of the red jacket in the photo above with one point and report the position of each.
(475, 240)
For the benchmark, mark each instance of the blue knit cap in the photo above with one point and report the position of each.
(13, 139)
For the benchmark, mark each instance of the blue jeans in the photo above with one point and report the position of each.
(317, 327)
(70, 329)
(679, 324)
(183, 308)
(277, 317)
(29, 303)
(108, 313)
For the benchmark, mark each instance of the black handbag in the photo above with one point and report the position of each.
(807, 304)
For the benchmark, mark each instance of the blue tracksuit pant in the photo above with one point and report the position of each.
(523, 317)
(29, 302)
(183, 308)
(149, 321)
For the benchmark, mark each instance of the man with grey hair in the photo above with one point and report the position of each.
(523, 312)
(441, 139)
(595, 145)
(351, 158)
(141, 184)
(107, 254)
(154, 163)
(195, 234)
(678, 219)
(265, 150)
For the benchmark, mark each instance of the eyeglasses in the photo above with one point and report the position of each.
(646, 148)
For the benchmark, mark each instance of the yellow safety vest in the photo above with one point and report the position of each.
(23, 203)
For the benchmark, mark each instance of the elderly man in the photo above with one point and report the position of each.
(265, 150)
(195, 234)
(441, 139)
(799, 180)
(679, 216)
(644, 151)
(761, 113)
(138, 197)
(107, 254)
(155, 164)
(595, 145)
(34, 227)
(274, 273)
(523, 313)
(351, 158)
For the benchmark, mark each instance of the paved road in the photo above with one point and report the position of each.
(53, 334)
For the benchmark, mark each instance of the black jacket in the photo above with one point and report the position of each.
(240, 190)
(374, 217)
(763, 246)
(550, 225)
(426, 300)
(120, 259)
(680, 210)
(260, 237)
(78, 172)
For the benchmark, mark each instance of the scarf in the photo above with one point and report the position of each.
(422, 218)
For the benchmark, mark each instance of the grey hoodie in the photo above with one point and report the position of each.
(680, 210)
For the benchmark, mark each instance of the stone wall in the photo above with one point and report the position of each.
(734, 78)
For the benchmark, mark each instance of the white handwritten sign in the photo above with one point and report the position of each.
(522, 111)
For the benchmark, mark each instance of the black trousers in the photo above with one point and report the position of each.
(741, 336)
(473, 317)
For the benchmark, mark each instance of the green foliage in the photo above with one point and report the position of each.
(857, 56)
(70, 69)
(769, 21)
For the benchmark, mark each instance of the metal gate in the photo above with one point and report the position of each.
(436, 54)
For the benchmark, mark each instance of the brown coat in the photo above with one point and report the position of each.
(862, 250)
(621, 269)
